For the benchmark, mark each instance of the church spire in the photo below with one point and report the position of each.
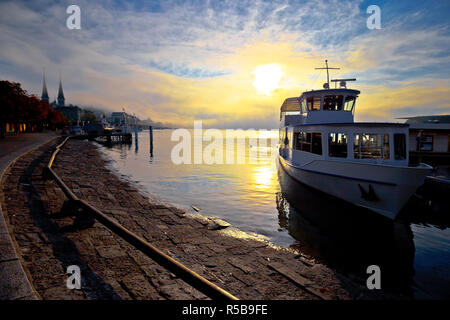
(44, 95)
(61, 99)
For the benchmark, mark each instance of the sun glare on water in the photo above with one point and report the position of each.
(267, 78)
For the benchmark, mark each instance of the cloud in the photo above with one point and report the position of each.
(179, 61)
(184, 71)
(385, 103)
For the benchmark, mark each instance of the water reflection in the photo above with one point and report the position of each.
(121, 148)
(345, 237)
(263, 177)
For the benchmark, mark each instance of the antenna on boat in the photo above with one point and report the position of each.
(327, 85)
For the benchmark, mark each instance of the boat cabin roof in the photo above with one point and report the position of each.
(320, 106)
(291, 104)
(322, 92)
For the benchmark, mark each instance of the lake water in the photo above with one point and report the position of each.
(413, 253)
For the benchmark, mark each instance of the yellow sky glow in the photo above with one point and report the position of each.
(263, 75)
(267, 78)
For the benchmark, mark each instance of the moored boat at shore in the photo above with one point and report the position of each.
(364, 163)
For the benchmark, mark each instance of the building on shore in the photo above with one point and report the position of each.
(123, 118)
(429, 139)
(74, 114)
(44, 95)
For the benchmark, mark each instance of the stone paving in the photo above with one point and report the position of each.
(14, 283)
(49, 241)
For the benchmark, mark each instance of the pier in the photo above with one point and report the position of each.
(108, 137)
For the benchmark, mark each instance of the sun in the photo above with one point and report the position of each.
(267, 78)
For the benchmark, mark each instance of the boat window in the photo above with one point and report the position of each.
(386, 154)
(349, 103)
(313, 103)
(425, 143)
(332, 103)
(299, 138)
(303, 106)
(316, 144)
(308, 142)
(356, 146)
(400, 146)
(303, 141)
(337, 145)
(297, 142)
(371, 146)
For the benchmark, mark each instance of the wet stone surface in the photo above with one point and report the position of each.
(50, 239)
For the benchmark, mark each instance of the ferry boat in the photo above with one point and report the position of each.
(364, 163)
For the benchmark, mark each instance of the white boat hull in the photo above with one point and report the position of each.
(380, 188)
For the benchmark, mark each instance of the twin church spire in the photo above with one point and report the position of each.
(61, 99)
(44, 96)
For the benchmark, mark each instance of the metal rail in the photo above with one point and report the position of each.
(189, 276)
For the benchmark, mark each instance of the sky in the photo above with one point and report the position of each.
(229, 63)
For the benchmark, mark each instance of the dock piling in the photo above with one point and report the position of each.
(150, 129)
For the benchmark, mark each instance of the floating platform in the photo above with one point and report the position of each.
(109, 138)
(115, 138)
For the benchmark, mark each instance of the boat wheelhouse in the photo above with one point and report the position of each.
(365, 163)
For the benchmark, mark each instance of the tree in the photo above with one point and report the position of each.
(17, 107)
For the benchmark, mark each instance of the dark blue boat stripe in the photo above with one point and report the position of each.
(340, 176)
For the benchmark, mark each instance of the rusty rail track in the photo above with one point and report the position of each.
(187, 275)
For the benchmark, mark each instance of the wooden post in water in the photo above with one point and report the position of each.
(150, 129)
(135, 127)
(136, 134)
(136, 144)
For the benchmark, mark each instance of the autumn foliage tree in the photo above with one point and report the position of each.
(17, 107)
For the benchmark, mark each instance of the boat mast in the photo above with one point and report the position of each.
(328, 75)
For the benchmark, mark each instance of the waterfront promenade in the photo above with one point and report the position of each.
(49, 241)
(14, 283)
